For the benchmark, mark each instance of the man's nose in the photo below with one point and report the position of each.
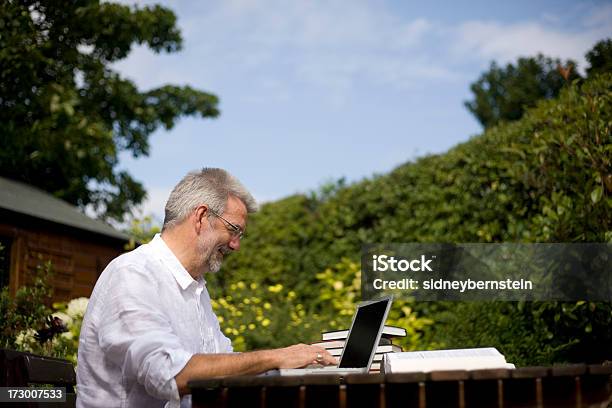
(234, 243)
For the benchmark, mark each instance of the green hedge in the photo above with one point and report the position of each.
(544, 178)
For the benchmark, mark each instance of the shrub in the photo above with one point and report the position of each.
(256, 316)
(544, 178)
(28, 324)
(26, 312)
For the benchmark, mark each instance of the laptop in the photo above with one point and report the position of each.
(361, 342)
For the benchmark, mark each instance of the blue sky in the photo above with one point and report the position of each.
(311, 91)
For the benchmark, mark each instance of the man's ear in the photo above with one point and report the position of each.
(200, 215)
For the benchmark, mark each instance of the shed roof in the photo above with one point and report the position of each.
(26, 199)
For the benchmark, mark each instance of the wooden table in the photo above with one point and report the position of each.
(574, 386)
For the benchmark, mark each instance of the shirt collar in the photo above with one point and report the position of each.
(161, 249)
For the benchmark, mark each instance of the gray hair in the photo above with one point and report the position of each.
(210, 186)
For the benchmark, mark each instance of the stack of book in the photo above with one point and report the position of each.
(333, 342)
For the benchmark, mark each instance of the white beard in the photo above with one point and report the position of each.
(211, 258)
(214, 261)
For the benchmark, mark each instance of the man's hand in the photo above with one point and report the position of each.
(220, 365)
(301, 355)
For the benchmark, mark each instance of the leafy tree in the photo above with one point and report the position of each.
(503, 94)
(600, 58)
(65, 114)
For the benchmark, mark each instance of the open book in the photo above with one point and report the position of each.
(442, 360)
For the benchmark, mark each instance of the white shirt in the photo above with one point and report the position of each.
(145, 319)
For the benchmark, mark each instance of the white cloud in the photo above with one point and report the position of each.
(329, 45)
(492, 40)
(335, 46)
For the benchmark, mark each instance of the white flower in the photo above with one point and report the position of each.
(76, 307)
(67, 335)
(66, 320)
(24, 339)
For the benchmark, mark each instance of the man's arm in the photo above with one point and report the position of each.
(254, 362)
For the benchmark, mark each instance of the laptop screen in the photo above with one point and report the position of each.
(362, 339)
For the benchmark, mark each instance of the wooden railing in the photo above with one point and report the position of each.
(575, 386)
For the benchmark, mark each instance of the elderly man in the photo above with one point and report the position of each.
(150, 327)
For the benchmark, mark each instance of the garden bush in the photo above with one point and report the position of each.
(271, 316)
(544, 178)
(26, 311)
(29, 324)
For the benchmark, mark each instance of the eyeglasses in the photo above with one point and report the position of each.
(234, 230)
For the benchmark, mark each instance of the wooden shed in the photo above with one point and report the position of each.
(36, 227)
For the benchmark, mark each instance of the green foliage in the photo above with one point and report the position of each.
(530, 333)
(503, 94)
(544, 178)
(278, 243)
(26, 311)
(61, 345)
(600, 58)
(256, 316)
(340, 291)
(141, 231)
(65, 115)
(521, 337)
(71, 314)
(263, 316)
